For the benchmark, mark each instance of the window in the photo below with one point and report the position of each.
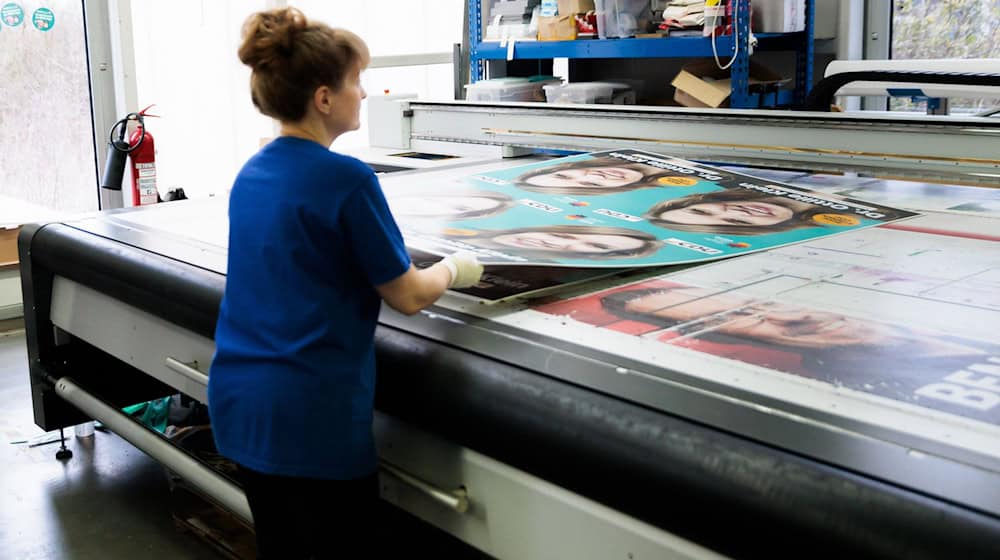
(186, 63)
(47, 161)
(394, 27)
(935, 29)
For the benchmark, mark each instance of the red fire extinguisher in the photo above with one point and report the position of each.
(142, 156)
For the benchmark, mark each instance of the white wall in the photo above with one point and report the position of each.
(185, 53)
(185, 57)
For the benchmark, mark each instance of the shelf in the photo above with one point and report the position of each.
(785, 98)
(801, 43)
(667, 47)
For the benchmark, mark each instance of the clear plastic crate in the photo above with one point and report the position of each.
(581, 92)
(622, 93)
(507, 89)
(619, 18)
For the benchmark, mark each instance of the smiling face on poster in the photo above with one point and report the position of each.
(621, 208)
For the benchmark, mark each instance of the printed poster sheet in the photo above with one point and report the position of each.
(910, 195)
(503, 282)
(923, 196)
(620, 208)
(911, 318)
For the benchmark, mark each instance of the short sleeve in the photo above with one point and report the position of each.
(373, 234)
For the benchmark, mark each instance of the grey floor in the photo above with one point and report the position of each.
(109, 501)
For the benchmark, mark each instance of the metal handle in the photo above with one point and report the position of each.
(189, 370)
(215, 485)
(457, 499)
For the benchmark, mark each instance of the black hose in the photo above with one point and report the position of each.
(118, 149)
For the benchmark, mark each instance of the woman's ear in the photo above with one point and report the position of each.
(323, 99)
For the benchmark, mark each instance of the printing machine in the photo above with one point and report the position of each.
(531, 442)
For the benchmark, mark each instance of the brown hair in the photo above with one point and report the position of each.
(650, 177)
(616, 303)
(800, 218)
(650, 244)
(291, 56)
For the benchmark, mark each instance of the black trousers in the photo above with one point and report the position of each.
(304, 518)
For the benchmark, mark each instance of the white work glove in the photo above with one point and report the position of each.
(465, 269)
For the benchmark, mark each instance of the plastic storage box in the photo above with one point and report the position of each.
(622, 93)
(582, 92)
(620, 18)
(508, 89)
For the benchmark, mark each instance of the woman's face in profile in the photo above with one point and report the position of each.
(440, 206)
(592, 177)
(732, 213)
(594, 243)
(773, 322)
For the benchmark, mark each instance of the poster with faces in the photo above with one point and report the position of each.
(909, 319)
(618, 209)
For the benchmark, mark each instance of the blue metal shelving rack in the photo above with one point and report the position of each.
(670, 47)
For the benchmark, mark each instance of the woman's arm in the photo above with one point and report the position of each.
(416, 289)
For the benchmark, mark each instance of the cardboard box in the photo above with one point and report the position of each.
(703, 84)
(8, 245)
(570, 7)
(556, 28)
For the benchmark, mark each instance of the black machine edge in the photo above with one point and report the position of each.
(733, 495)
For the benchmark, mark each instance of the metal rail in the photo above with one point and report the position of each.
(965, 150)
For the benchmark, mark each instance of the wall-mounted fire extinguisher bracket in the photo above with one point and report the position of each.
(141, 150)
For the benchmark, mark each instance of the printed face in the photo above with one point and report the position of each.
(773, 322)
(569, 242)
(741, 213)
(588, 177)
(434, 206)
(346, 113)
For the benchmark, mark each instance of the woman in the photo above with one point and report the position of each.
(734, 212)
(567, 242)
(312, 249)
(592, 177)
(450, 206)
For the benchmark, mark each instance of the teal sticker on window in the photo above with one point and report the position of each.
(12, 14)
(43, 18)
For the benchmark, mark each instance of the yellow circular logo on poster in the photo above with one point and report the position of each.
(677, 181)
(842, 220)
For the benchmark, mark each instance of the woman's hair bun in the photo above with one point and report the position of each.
(269, 36)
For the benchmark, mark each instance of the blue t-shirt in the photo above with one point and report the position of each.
(292, 382)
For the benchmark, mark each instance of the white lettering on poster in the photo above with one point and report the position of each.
(619, 215)
(692, 246)
(539, 205)
(810, 199)
(989, 380)
(977, 386)
(492, 180)
(957, 394)
(670, 166)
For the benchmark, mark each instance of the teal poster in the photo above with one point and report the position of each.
(619, 208)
